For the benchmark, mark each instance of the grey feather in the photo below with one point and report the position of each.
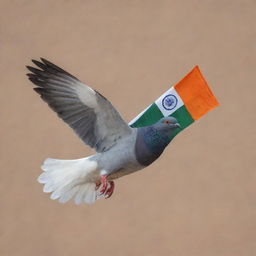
(91, 115)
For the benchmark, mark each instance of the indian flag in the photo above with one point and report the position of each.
(187, 101)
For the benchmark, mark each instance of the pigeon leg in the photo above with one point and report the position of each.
(110, 190)
(104, 183)
(97, 185)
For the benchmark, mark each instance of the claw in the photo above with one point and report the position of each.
(104, 183)
(97, 185)
(107, 187)
(110, 190)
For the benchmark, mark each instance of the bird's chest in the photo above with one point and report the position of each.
(149, 146)
(122, 156)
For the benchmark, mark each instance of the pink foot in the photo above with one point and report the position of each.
(104, 183)
(110, 190)
(107, 188)
(97, 185)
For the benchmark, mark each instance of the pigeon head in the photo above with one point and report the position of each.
(167, 124)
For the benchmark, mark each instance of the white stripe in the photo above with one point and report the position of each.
(169, 102)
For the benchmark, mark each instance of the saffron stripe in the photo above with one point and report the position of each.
(196, 94)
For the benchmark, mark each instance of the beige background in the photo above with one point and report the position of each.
(200, 197)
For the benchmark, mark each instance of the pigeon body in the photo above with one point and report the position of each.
(121, 149)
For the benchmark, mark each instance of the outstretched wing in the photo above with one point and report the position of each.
(91, 115)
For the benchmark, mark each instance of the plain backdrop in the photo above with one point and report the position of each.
(199, 198)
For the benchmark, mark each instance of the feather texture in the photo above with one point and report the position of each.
(86, 111)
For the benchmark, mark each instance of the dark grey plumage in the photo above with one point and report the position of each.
(152, 140)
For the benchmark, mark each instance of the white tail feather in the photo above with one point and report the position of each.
(68, 179)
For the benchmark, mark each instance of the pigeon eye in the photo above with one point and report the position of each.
(166, 122)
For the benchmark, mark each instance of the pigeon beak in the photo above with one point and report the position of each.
(177, 125)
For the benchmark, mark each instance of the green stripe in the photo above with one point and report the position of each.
(184, 119)
(153, 114)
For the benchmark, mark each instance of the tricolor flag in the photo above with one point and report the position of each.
(187, 101)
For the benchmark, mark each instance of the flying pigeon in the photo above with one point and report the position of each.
(121, 149)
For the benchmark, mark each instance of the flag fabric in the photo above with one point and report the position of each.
(187, 101)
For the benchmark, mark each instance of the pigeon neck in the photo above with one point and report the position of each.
(155, 139)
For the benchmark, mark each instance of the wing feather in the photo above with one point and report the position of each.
(86, 111)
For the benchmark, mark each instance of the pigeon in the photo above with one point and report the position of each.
(120, 149)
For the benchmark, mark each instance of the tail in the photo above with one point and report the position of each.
(68, 179)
